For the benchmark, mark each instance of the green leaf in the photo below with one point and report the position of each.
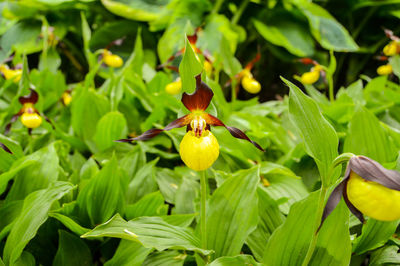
(43, 170)
(374, 235)
(129, 253)
(186, 195)
(168, 257)
(112, 126)
(285, 31)
(33, 214)
(86, 110)
(236, 260)
(104, 195)
(151, 204)
(270, 219)
(136, 60)
(143, 182)
(71, 250)
(320, 139)
(324, 27)
(232, 213)
(69, 223)
(387, 255)
(367, 137)
(289, 243)
(189, 68)
(395, 63)
(141, 10)
(151, 232)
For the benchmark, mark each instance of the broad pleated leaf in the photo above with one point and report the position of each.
(289, 243)
(33, 214)
(232, 213)
(236, 260)
(367, 137)
(71, 251)
(320, 138)
(129, 253)
(189, 68)
(374, 235)
(151, 232)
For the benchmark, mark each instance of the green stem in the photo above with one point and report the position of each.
(330, 84)
(217, 6)
(203, 198)
(314, 239)
(239, 12)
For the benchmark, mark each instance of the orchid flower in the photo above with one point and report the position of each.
(199, 148)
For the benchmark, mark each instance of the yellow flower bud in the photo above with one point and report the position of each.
(174, 87)
(67, 98)
(251, 85)
(373, 199)
(14, 74)
(199, 153)
(391, 48)
(112, 60)
(207, 67)
(31, 120)
(384, 70)
(310, 77)
(246, 73)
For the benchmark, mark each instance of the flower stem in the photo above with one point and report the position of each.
(239, 12)
(314, 238)
(203, 202)
(203, 196)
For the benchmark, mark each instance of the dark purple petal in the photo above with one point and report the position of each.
(237, 133)
(151, 133)
(336, 195)
(200, 99)
(351, 207)
(31, 98)
(333, 200)
(372, 171)
(5, 148)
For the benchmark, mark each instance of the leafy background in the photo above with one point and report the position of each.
(70, 195)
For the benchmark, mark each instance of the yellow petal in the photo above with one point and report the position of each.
(373, 199)
(384, 70)
(112, 60)
(310, 77)
(174, 87)
(251, 85)
(31, 120)
(390, 49)
(199, 153)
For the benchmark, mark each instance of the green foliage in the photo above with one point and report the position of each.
(70, 194)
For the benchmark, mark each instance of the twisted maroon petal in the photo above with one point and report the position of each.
(151, 133)
(31, 98)
(4, 147)
(200, 99)
(237, 133)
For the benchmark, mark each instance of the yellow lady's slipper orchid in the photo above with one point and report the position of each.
(30, 117)
(373, 199)
(207, 67)
(174, 88)
(384, 70)
(368, 188)
(66, 98)
(31, 120)
(199, 153)
(199, 148)
(112, 60)
(14, 74)
(391, 48)
(251, 85)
